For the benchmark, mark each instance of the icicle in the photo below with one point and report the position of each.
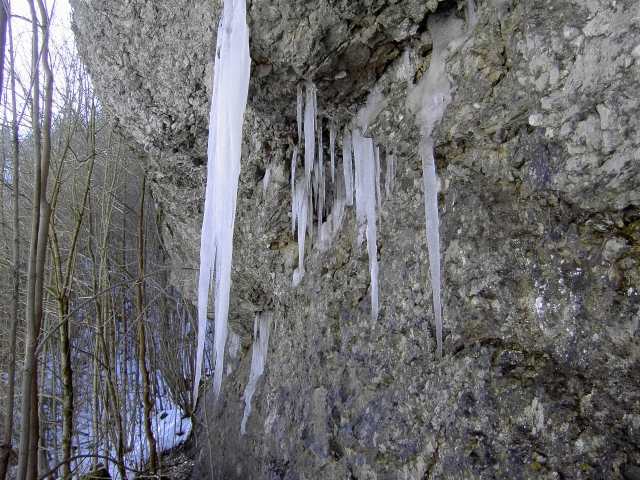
(332, 147)
(364, 156)
(259, 351)
(429, 100)
(390, 175)
(347, 165)
(472, 14)
(301, 205)
(331, 227)
(294, 163)
(337, 214)
(228, 103)
(433, 232)
(310, 215)
(377, 160)
(358, 159)
(321, 182)
(309, 131)
(266, 180)
(299, 113)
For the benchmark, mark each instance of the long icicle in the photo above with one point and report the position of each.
(228, 104)
(294, 163)
(365, 169)
(435, 95)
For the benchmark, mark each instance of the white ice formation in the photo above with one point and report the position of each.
(429, 100)
(228, 104)
(366, 215)
(259, 350)
(308, 194)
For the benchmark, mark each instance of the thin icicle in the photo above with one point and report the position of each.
(309, 131)
(433, 232)
(472, 14)
(320, 172)
(358, 159)
(259, 351)
(301, 217)
(331, 227)
(228, 104)
(332, 148)
(429, 100)
(364, 156)
(390, 175)
(337, 213)
(377, 159)
(299, 106)
(347, 165)
(294, 163)
(266, 179)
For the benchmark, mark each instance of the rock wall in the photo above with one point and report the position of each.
(539, 163)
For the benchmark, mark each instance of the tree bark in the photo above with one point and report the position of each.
(6, 447)
(4, 21)
(29, 368)
(28, 457)
(142, 342)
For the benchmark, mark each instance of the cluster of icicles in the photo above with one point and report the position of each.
(360, 174)
(359, 177)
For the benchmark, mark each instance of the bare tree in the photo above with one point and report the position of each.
(4, 20)
(62, 290)
(5, 449)
(142, 342)
(29, 433)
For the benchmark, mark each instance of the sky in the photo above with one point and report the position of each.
(61, 34)
(61, 28)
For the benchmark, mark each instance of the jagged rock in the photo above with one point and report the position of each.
(540, 195)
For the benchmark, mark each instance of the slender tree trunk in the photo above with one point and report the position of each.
(5, 449)
(29, 369)
(4, 21)
(39, 311)
(63, 296)
(28, 457)
(95, 402)
(142, 342)
(42, 458)
(67, 386)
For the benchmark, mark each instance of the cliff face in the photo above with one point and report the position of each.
(539, 164)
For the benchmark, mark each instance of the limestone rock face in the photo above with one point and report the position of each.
(539, 162)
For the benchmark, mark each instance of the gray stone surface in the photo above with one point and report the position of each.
(538, 155)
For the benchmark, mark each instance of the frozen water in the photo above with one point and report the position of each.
(294, 163)
(228, 103)
(332, 148)
(310, 113)
(347, 165)
(364, 156)
(300, 218)
(299, 106)
(390, 175)
(261, 326)
(429, 100)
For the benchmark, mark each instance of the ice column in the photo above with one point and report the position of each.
(364, 155)
(429, 100)
(228, 103)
